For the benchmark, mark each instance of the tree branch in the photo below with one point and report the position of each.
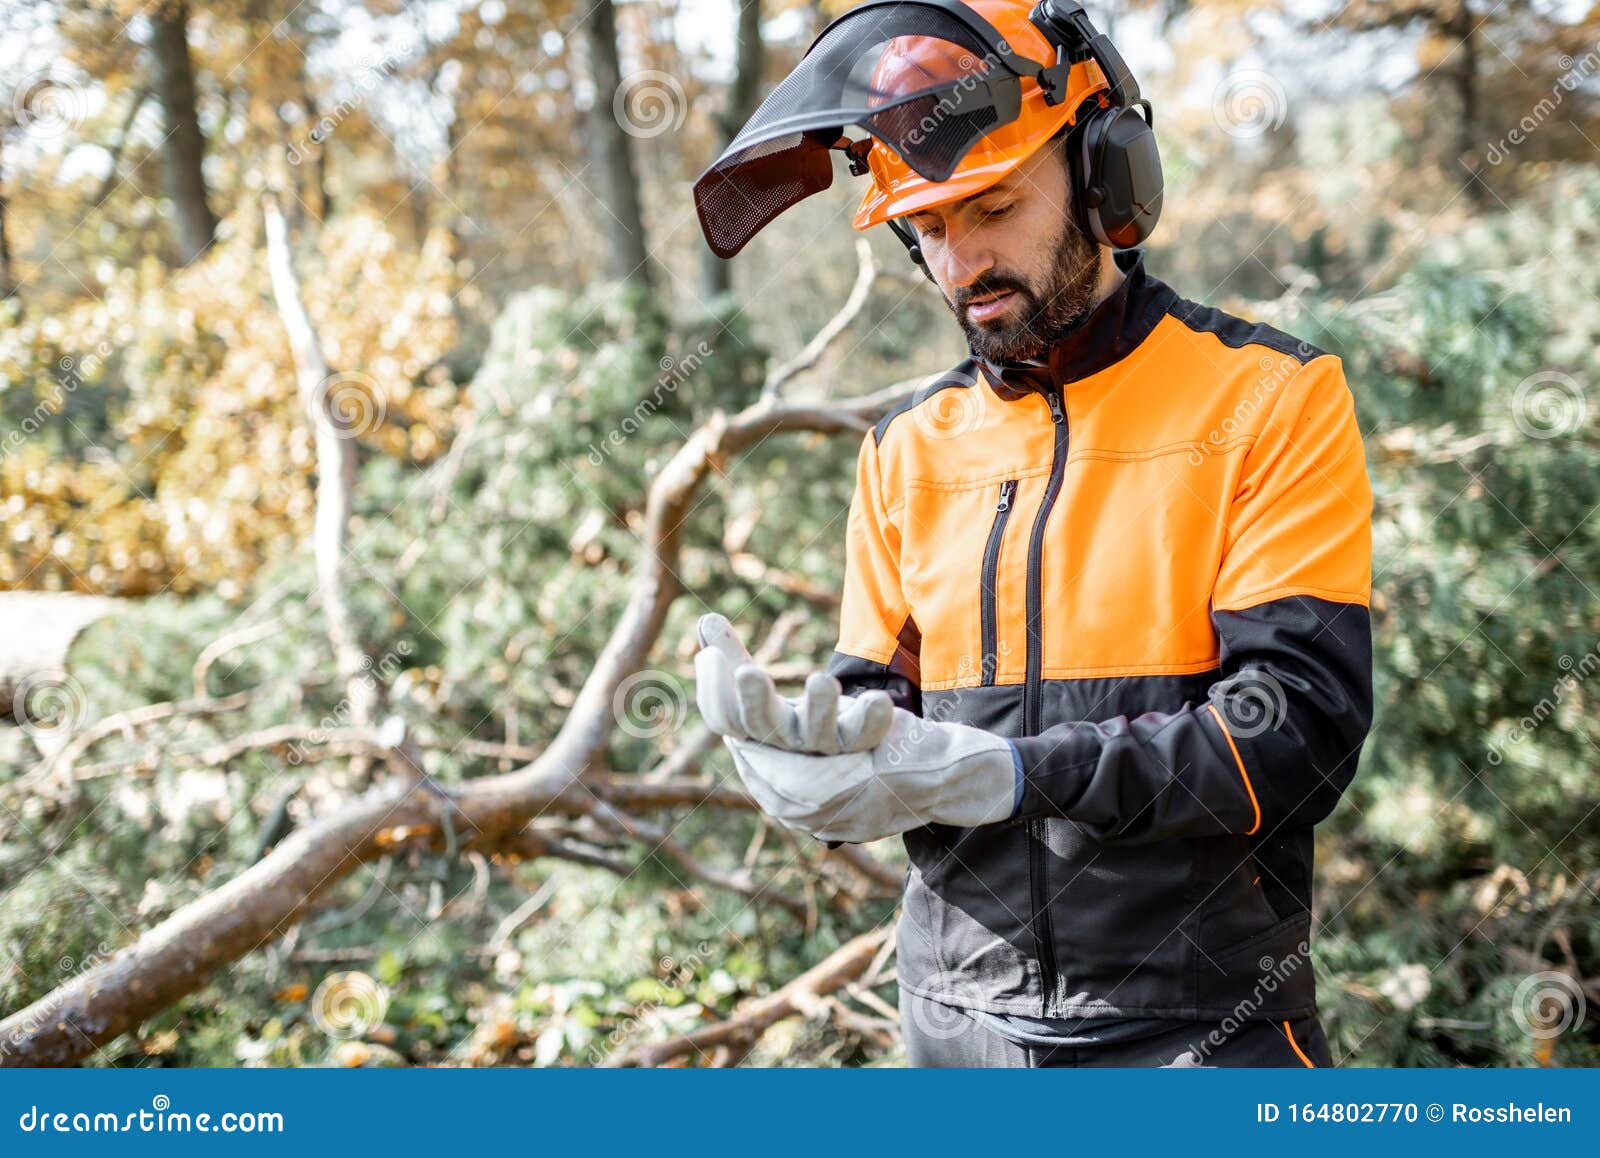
(183, 952)
(800, 996)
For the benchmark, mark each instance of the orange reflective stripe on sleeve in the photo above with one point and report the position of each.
(1239, 760)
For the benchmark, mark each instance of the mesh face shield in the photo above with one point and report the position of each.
(925, 80)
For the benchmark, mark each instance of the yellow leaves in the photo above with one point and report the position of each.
(163, 1041)
(204, 400)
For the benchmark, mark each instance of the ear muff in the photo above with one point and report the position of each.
(1117, 177)
(1117, 182)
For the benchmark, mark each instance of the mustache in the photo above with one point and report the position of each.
(987, 287)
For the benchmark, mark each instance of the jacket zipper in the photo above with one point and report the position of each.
(991, 564)
(1033, 696)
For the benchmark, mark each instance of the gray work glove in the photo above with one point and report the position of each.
(739, 701)
(921, 773)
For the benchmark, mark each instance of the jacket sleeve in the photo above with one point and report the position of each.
(879, 645)
(1278, 737)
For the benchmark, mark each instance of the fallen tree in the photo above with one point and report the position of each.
(182, 953)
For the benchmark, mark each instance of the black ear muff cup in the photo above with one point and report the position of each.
(1119, 182)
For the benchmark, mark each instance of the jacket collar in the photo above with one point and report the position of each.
(1105, 335)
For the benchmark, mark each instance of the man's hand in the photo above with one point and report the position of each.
(921, 773)
(740, 702)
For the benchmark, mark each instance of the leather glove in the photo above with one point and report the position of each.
(922, 773)
(739, 701)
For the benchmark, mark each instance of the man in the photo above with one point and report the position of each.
(1104, 653)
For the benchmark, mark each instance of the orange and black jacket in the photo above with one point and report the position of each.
(1149, 563)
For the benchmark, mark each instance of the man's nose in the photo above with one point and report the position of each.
(966, 260)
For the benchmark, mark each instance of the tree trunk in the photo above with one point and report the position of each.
(1466, 81)
(184, 149)
(8, 279)
(628, 257)
(716, 274)
(337, 411)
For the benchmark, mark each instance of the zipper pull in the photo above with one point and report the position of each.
(1057, 415)
(1007, 490)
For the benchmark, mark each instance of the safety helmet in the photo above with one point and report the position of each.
(949, 96)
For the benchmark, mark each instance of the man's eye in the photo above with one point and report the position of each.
(1001, 211)
(930, 231)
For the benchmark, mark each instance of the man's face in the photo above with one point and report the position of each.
(1014, 265)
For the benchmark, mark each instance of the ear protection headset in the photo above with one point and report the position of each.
(1115, 164)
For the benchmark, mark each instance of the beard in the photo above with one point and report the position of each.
(1047, 311)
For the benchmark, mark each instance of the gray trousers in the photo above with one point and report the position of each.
(951, 1038)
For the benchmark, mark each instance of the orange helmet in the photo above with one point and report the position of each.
(912, 63)
(950, 96)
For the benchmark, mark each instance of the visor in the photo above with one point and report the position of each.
(928, 80)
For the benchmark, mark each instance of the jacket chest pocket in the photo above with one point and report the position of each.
(963, 561)
(1132, 554)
